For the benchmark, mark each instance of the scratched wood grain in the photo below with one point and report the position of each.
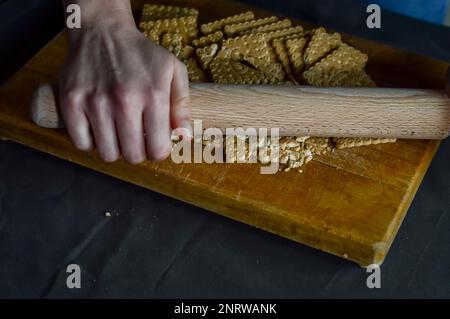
(349, 203)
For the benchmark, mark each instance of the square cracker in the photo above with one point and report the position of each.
(160, 12)
(347, 142)
(337, 68)
(320, 45)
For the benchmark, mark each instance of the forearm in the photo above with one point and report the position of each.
(101, 15)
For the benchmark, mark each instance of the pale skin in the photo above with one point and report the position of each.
(120, 92)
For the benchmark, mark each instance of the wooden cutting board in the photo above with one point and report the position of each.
(349, 203)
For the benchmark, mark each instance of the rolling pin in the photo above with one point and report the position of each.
(302, 110)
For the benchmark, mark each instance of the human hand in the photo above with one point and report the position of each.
(120, 90)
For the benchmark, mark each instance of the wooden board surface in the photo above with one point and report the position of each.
(349, 203)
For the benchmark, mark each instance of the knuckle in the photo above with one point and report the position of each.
(127, 100)
(125, 94)
(98, 102)
(158, 98)
(72, 98)
(123, 111)
(99, 99)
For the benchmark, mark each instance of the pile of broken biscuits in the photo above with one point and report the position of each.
(243, 49)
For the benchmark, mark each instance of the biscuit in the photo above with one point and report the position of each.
(296, 31)
(227, 68)
(171, 40)
(152, 35)
(281, 52)
(295, 49)
(219, 24)
(234, 29)
(208, 39)
(206, 54)
(347, 142)
(320, 45)
(185, 26)
(351, 78)
(252, 46)
(329, 71)
(195, 73)
(159, 12)
(182, 52)
(278, 25)
(348, 57)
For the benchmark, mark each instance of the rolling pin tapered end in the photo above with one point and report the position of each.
(44, 109)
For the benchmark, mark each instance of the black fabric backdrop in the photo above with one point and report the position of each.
(52, 213)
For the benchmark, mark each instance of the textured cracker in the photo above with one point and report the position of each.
(159, 12)
(347, 142)
(206, 54)
(182, 52)
(281, 52)
(171, 39)
(320, 45)
(208, 39)
(292, 31)
(219, 24)
(278, 25)
(185, 26)
(295, 48)
(152, 35)
(351, 78)
(234, 29)
(195, 73)
(252, 46)
(228, 68)
(344, 59)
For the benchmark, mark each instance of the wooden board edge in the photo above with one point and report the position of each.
(354, 249)
(381, 249)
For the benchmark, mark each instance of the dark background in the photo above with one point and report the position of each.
(52, 213)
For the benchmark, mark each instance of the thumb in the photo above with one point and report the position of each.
(180, 108)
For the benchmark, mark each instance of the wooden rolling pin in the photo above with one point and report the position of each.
(303, 110)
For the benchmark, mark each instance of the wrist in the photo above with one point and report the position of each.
(102, 16)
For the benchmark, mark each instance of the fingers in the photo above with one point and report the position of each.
(156, 120)
(72, 109)
(126, 123)
(128, 118)
(101, 117)
(180, 108)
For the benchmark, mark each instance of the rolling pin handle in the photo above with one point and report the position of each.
(336, 112)
(44, 107)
